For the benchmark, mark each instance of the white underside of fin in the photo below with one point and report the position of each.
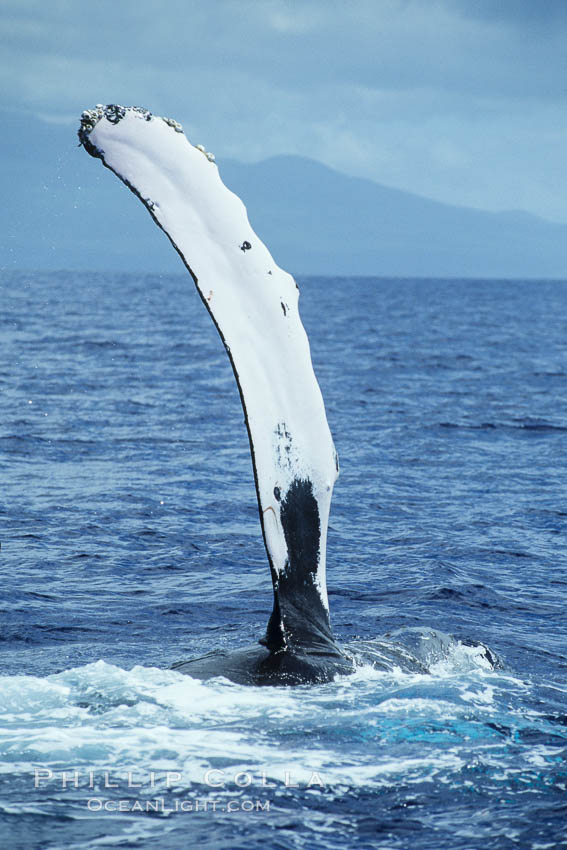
(253, 302)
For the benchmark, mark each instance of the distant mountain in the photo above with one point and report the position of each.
(316, 220)
(63, 210)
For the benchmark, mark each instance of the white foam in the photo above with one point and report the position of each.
(365, 730)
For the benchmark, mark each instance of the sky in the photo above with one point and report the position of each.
(462, 101)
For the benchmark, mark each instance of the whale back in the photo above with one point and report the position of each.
(254, 305)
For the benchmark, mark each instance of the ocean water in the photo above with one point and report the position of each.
(130, 540)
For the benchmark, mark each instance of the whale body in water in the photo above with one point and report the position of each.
(254, 306)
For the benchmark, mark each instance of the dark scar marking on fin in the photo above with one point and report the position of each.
(302, 527)
(245, 246)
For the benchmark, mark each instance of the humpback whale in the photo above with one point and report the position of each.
(254, 306)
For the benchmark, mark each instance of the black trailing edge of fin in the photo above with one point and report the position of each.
(299, 620)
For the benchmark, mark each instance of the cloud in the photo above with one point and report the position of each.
(516, 12)
(462, 100)
(378, 43)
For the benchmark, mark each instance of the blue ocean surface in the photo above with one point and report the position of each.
(130, 540)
